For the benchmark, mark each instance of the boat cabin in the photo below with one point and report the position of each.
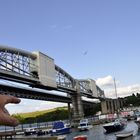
(84, 125)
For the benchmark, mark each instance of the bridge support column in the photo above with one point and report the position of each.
(104, 107)
(69, 111)
(107, 106)
(78, 112)
(77, 107)
(111, 105)
(121, 103)
(116, 105)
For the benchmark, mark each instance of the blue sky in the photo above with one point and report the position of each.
(107, 30)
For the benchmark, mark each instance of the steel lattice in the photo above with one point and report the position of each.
(16, 62)
(63, 79)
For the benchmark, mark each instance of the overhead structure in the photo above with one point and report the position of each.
(38, 70)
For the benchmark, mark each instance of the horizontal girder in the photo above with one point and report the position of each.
(35, 94)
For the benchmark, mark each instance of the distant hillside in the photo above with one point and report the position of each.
(37, 113)
(59, 113)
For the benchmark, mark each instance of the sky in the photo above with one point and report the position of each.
(97, 39)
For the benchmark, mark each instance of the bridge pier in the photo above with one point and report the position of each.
(104, 107)
(69, 111)
(111, 105)
(77, 104)
(77, 107)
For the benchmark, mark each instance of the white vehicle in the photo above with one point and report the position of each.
(84, 125)
(138, 122)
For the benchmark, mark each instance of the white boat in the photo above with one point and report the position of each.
(84, 125)
(124, 134)
(138, 122)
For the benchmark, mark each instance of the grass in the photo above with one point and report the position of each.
(39, 113)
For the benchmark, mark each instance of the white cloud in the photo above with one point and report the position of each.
(27, 105)
(105, 81)
(107, 84)
(128, 90)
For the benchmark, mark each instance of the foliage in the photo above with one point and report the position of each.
(133, 100)
(60, 113)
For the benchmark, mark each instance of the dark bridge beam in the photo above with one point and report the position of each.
(32, 94)
(36, 95)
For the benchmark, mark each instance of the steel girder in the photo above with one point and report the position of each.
(23, 92)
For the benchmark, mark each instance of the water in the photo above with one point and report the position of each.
(97, 133)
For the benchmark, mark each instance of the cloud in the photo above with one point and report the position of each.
(128, 90)
(105, 81)
(28, 105)
(123, 91)
(107, 84)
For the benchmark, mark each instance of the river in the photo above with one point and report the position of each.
(97, 133)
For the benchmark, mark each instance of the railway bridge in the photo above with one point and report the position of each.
(40, 73)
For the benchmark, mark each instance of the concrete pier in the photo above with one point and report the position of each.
(111, 105)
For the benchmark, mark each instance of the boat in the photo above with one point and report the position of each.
(29, 131)
(80, 137)
(60, 128)
(138, 122)
(117, 125)
(84, 125)
(124, 134)
(41, 132)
